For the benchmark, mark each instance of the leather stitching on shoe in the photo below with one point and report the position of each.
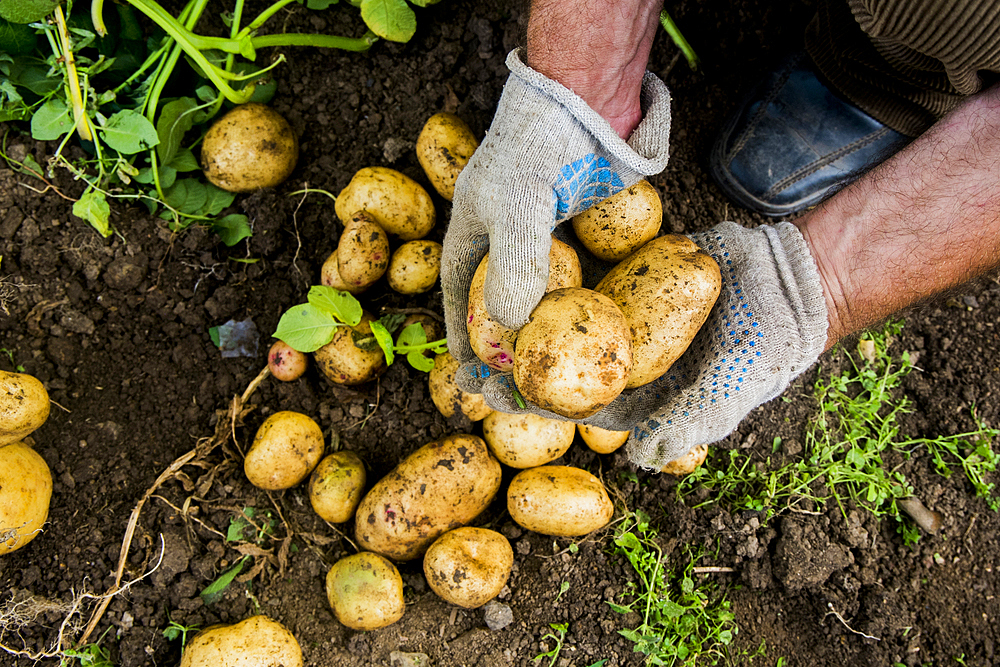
(825, 160)
(762, 109)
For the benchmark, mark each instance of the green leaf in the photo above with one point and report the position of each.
(93, 207)
(389, 19)
(421, 362)
(424, 3)
(317, 5)
(26, 11)
(176, 118)
(16, 38)
(52, 120)
(186, 195)
(213, 334)
(412, 334)
(214, 590)
(384, 340)
(185, 160)
(129, 132)
(232, 228)
(34, 77)
(342, 305)
(306, 327)
(216, 199)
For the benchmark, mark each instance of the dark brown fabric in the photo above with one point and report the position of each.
(906, 62)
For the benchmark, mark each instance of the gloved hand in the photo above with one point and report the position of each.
(546, 157)
(768, 326)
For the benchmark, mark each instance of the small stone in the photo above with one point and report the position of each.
(401, 659)
(497, 615)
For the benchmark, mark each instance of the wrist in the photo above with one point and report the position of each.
(599, 49)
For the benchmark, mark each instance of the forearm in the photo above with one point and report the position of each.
(598, 49)
(926, 220)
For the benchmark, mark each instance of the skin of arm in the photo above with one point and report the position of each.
(924, 221)
(598, 49)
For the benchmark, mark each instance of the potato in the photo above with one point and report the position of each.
(448, 397)
(414, 267)
(558, 500)
(336, 485)
(666, 290)
(249, 148)
(365, 591)
(526, 440)
(330, 276)
(444, 147)
(254, 642)
(602, 440)
(493, 342)
(443, 485)
(287, 447)
(621, 224)
(24, 406)
(25, 492)
(574, 355)
(398, 203)
(688, 463)
(285, 362)
(343, 362)
(468, 566)
(362, 252)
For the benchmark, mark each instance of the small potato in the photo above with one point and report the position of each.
(254, 642)
(468, 566)
(621, 224)
(448, 397)
(574, 355)
(666, 290)
(444, 147)
(343, 362)
(285, 362)
(336, 485)
(362, 252)
(526, 440)
(330, 276)
(688, 463)
(24, 406)
(249, 148)
(25, 492)
(558, 500)
(398, 203)
(443, 485)
(414, 267)
(602, 440)
(365, 591)
(492, 342)
(287, 447)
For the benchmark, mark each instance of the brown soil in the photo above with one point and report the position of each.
(117, 330)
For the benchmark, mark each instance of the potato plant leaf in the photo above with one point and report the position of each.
(176, 118)
(93, 207)
(232, 228)
(342, 305)
(26, 11)
(393, 20)
(129, 132)
(306, 327)
(16, 39)
(319, 5)
(384, 340)
(52, 120)
(213, 592)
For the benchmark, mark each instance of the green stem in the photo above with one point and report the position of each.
(263, 17)
(321, 41)
(675, 34)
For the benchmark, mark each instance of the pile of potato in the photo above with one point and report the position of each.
(25, 478)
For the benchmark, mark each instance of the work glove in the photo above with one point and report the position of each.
(547, 156)
(768, 326)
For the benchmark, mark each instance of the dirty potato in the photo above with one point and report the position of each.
(24, 406)
(448, 397)
(398, 203)
(621, 224)
(365, 591)
(468, 566)
(444, 147)
(666, 290)
(254, 642)
(558, 500)
(602, 440)
(343, 362)
(25, 492)
(249, 148)
(362, 252)
(443, 485)
(415, 267)
(526, 440)
(336, 486)
(286, 448)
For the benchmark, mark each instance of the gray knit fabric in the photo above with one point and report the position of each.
(768, 326)
(547, 156)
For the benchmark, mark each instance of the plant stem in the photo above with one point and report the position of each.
(675, 34)
(72, 80)
(321, 41)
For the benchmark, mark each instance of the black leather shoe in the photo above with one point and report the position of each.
(793, 142)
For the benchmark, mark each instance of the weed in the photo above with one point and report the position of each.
(10, 355)
(682, 621)
(90, 655)
(176, 630)
(846, 444)
(558, 638)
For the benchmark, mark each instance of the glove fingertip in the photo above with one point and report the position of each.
(470, 377)
(499, 393)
